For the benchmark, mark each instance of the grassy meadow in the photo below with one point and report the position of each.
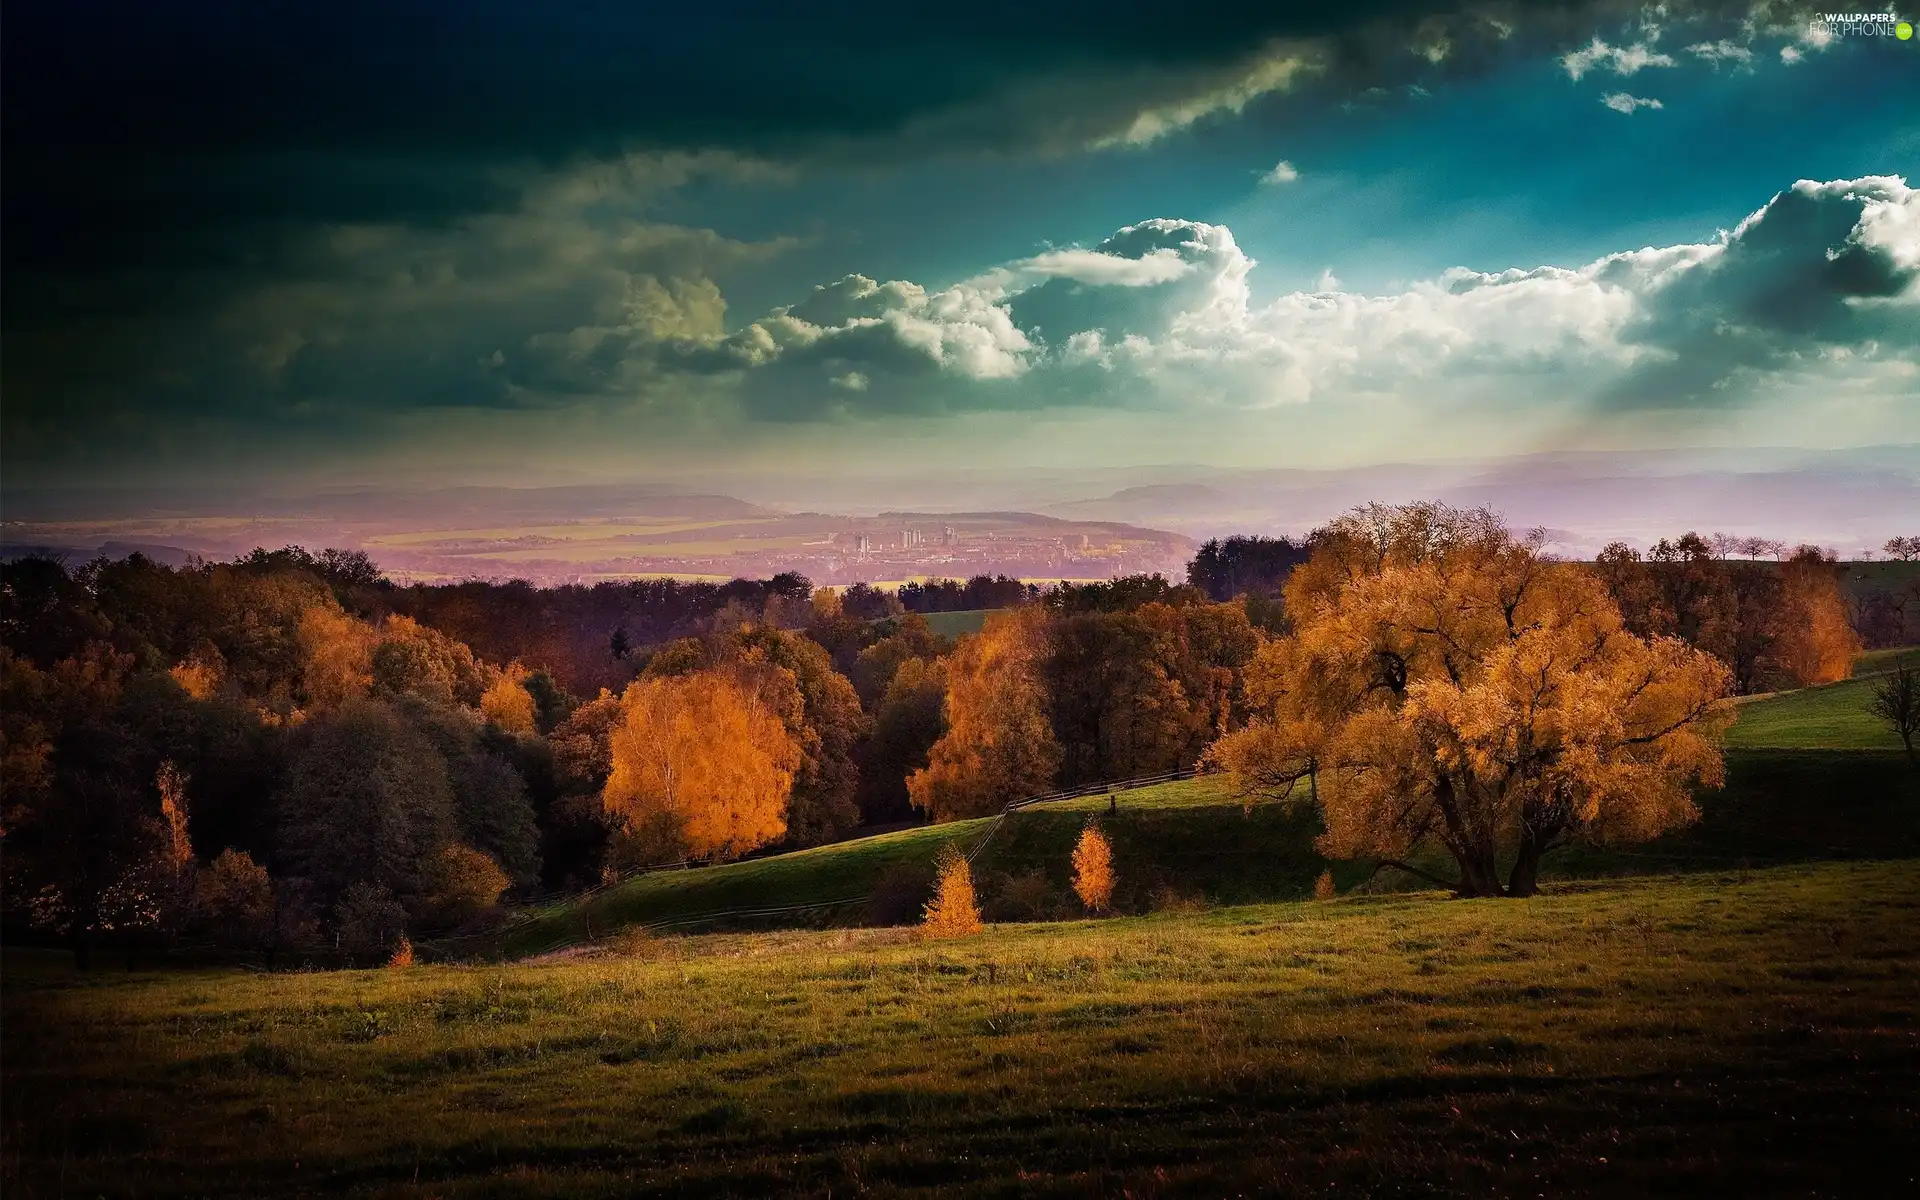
(1733, 1032)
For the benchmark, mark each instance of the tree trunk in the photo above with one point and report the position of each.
(1524, 880)
(1478, 874)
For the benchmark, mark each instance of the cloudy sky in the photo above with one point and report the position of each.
(509, 242)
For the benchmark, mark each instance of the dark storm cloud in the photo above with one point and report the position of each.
(287, 214)
(147, 128)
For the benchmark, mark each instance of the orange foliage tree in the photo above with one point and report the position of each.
(1447, 687)
(1816, 643)
(1093, 870)
(507, 703)
(953, 911)
(336, 655)
(699, 767)
(999, 744)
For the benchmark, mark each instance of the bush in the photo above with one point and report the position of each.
(1323, 886)
(370, 924)
(461, 883)
(1166, 898)
(901, 895)
(1027, 896)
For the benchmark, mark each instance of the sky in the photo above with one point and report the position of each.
(513, 243)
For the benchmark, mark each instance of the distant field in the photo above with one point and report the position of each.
(1722, 1034)
(1831, 717)
(593, 550)
(569, 531)
(958, 622)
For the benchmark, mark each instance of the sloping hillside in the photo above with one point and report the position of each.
(1193, 843)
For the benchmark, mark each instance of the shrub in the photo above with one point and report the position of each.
(402, 956)
(1093, 870)
(952, 911)
(1323, 886)
(1166, 898)
(901, 895)
(635, 941)
(370, 924)
(1028, 896)
(461, 883)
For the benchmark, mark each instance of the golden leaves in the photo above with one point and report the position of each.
(700, 766)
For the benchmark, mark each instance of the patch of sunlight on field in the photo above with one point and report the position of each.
(1832, 716)
(587, 550)
(572, 530)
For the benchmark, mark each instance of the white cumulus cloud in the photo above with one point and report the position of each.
(1621, 102)
(1621, 60)
(1821, 284)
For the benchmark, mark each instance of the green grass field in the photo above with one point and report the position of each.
(961, 621)
(1833, 717)
(1729, 1033)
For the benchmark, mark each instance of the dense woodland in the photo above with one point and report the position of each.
(289, 754)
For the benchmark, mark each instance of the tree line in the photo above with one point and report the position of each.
(290, 754)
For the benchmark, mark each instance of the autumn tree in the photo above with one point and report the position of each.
(1816, 643)
(999, 745)
(507, 702)
(233, 900)
(412, 659)
(873, 668)
(96, 820)
(1448, 688)
(1093, 869)
(576, 828)
(1896, 701)
(491, 809)
(700, 766)
(1143, 690)
(832, 724)
(367, 801)
(908, 721)
(370, 925)
(336, 655)
(953, 911)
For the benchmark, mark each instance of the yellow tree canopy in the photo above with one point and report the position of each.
(507, 703)
(701, 766)
(1446, 686)
(999, 744)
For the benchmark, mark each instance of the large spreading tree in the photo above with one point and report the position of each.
(1448, 689)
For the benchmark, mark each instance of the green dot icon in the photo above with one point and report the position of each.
(1903, 30)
